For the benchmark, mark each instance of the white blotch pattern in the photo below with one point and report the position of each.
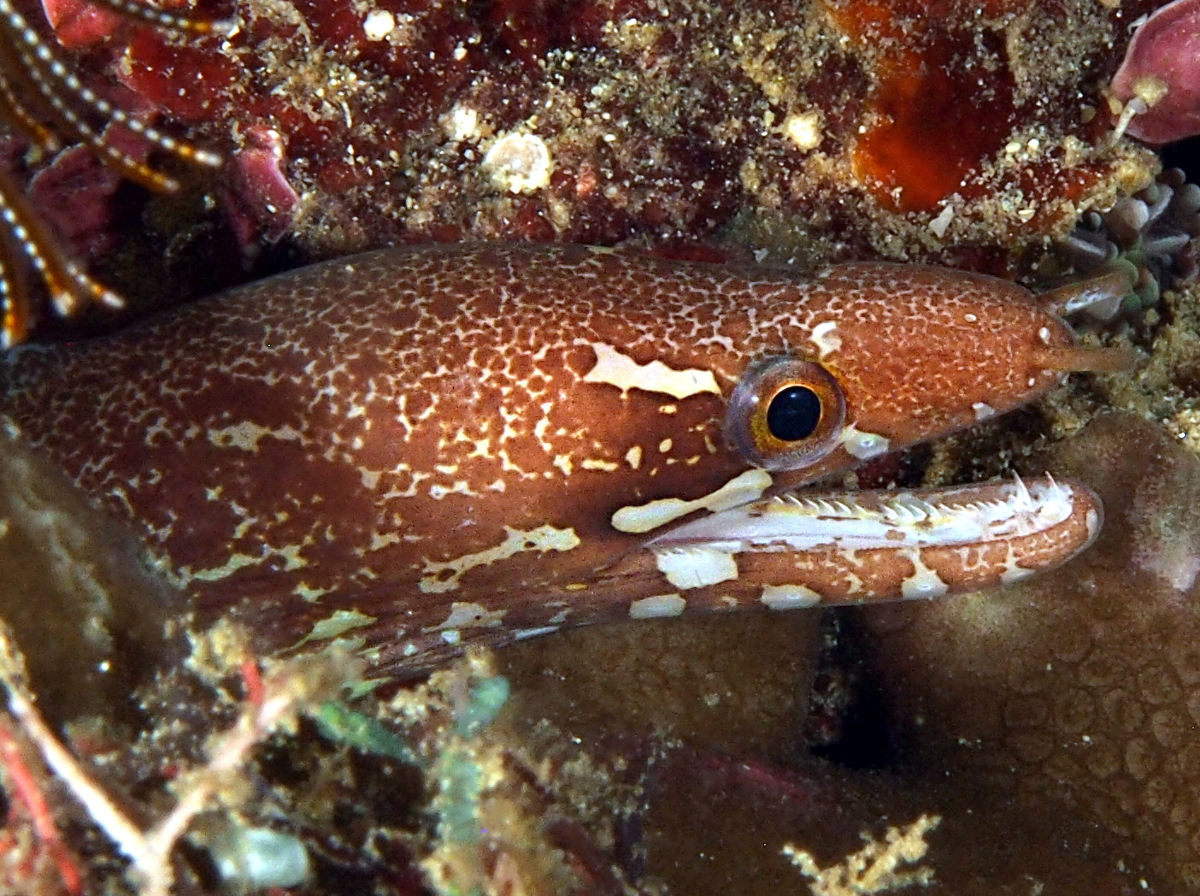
(746, 487)
(688, 568)
(615, 369)
(657, 605)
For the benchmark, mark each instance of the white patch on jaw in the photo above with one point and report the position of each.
(639, 519)
(983, 411)
(696, 567)
(468, 615)
(615, 369)
(1014, 571)
(541, 539)
(657, 606)
(825, 339)
(924, 582)
(789, 597)
(863, 445)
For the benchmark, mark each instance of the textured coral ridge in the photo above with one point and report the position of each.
(906, 126)
(1081, 688)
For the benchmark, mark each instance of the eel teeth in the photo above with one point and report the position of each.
(962, 515)
(1023, 501)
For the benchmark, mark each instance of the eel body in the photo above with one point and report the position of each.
(421, 447)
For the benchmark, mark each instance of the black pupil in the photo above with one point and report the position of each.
(793, 414)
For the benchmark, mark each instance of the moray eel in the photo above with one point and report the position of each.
(422, 447)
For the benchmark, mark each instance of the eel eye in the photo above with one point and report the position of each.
(786, 414)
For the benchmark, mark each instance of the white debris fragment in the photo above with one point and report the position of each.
(519, 163)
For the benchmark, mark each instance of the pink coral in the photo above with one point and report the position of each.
(78, 25)
(260, 202)
(1161, 71)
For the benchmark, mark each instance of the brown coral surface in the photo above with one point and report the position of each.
(1079, 688)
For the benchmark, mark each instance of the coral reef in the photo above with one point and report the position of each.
(498, 820)
(443, 783)
(783, 110)
(269, 706)
(799, 124)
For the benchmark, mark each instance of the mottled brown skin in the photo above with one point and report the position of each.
(1080, 689)
(310, 447)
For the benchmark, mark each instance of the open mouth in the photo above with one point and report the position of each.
(837, 547)
(864, 520)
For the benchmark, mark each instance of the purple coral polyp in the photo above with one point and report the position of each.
(1161, 71)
